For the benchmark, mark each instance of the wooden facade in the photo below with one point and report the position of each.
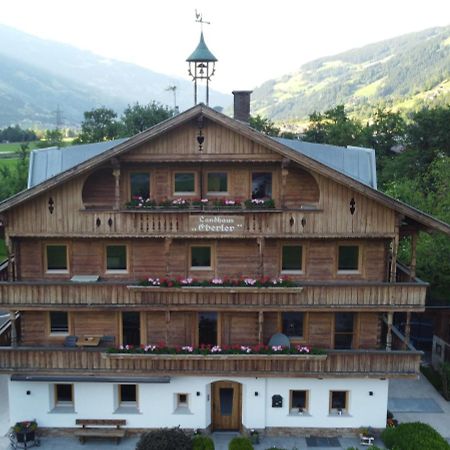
(84, 211)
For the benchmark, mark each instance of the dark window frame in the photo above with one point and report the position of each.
(294, 408)
(219, 191)
(344, 266)
(201, 267)
(285, 328)
(301, 255)
(55, 329)
(135, 194)
(64, 269)
(110, 269)
(184, 192)
(122, 391)
(256, 191)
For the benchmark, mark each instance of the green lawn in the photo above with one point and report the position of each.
(8, 162)
(15, 146)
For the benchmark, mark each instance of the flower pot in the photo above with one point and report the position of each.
(25, 436)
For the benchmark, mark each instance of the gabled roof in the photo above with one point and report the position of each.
(356, 162)
(45, 163)
(163, 127)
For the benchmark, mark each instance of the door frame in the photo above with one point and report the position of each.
(215, 405)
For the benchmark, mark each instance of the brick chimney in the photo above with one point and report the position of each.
(242, 105)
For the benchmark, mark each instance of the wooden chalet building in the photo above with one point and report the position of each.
(80, 241)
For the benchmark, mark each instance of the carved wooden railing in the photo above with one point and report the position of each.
(176, 223)
(313, 296)
(336, 363)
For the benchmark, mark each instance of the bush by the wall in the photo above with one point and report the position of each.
(240, 443)
(414, 436)
(201, 442)
(164, 439)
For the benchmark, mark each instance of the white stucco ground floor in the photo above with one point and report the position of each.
(201, 402)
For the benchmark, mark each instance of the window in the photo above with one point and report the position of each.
(59, 322)
(128, 395)
(217, 182)
(343, 330)
(182, 404)
(207, 328)
(292, 324)
(291, 258)
(261, 185)
(298, 402)
(201, 257)
(185, 182)
(338, 402)
(116, 258)
(64, 395)
(140, 185)
(131, 328)
(348, 259)
(57, 258)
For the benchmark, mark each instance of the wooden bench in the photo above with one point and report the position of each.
(101, 428)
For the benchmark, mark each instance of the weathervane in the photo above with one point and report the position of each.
(202, 61)
(199, 19)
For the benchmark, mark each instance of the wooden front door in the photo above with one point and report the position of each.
(226, 405)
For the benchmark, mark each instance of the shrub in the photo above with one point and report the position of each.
(414, 436)
(240, 443)
(200, 442)
(164, 439)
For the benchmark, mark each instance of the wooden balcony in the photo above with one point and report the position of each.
(336, 363)
(370, 296)
(307, 222)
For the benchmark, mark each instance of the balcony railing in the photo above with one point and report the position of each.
(313, 296)
(336, 363)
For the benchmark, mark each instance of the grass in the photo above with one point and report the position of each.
(8, 162)
(15, 146)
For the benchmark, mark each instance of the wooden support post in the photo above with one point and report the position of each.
(284, 175)
(167, 244)
(261, 243)
(166, 337)
(407, 329)
(260, 327)
(116, 174)
(412, 266)
(394, 254)
(390, 318)
(12, 318)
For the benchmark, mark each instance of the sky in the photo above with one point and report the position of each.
(254, 40)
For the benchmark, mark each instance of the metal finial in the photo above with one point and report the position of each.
(199, 19)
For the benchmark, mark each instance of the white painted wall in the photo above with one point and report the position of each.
(157, 403)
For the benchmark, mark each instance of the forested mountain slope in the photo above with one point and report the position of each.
(37, 75)
(404, 72)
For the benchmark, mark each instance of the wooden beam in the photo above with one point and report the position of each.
(413, 264)
(407, 329)
(167, 244)
(12, 318)
(261, 244)
(390, 318)
(260, 326)
(116, 174)
(394, 255)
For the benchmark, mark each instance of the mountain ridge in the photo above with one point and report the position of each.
(389, 72)
(96, 81)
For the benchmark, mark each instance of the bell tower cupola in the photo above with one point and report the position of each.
(201, 63)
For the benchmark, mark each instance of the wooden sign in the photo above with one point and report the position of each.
(216, 224)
